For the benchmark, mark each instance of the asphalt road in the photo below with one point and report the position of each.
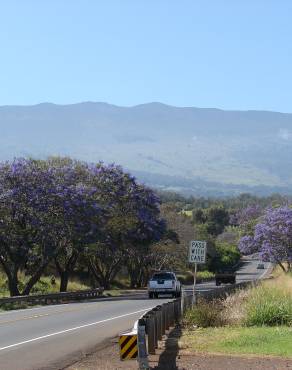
(246, 272)
(54, 336)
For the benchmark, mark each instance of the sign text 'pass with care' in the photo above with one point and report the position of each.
(197, 252)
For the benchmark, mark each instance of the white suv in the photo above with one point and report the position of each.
(164, 283)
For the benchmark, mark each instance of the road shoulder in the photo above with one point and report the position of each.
(167, 358)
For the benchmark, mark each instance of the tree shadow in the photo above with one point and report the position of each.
(168, 358)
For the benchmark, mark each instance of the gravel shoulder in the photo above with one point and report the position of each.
(169, 358)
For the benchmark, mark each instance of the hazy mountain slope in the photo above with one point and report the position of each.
(250, 148)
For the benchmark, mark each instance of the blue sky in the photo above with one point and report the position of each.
(207, 53)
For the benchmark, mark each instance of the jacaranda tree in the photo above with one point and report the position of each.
(147, 228)
(38, 215)
(85, 223)
(132, 223)
(272, 238)
(247, 218)
(61, 209)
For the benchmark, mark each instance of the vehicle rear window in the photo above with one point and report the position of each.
(163, 276)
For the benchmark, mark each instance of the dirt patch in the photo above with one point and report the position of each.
(221, 362)
(168, 357)
(106, 358)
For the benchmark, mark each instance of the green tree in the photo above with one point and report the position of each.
(216, 220)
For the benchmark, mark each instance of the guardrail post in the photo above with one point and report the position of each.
(142, 348)
(166, 316)
(172, 313)
(178, 307)
(155, 318)
(182, 301)
(150, 329)
(162, 320)
(159, 328)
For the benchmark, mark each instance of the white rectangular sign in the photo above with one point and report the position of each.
(197, 253)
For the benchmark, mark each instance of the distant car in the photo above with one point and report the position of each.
(260, 266)
(164, 283)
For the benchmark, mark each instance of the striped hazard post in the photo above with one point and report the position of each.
(128, 346)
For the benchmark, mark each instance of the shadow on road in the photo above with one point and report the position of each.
(167, 359)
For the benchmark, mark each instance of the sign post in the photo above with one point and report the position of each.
(197, 255)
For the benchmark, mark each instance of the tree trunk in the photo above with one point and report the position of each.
(94, 272)
(11, 273)
(64, 275)
(34, 279)
(105, 282)
(13, 285)
(282, 266)
(105, 275)
(133, 272)
(66, 271)
(136, 270)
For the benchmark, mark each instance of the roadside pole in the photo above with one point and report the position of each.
(197, 255)
(194, 286)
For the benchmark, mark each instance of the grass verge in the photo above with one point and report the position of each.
(270, 341)
(254, 321)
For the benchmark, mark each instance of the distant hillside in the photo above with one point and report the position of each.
(192, 150)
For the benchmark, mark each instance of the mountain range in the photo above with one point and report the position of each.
(196, 151)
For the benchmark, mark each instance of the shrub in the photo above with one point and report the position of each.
(227, 255)
(43, 286)
(188, 278)
(205, 314)
(234, 310)
(269, 305)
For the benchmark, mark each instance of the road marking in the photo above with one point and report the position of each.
(74, 308)
(37, 316)
(265, 271)
(52, 306)
(72, 329)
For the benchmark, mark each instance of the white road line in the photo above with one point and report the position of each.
(266, 271)
(72, 329)
(103, 299)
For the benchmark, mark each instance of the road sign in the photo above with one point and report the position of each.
(128, 346)
(197, 253)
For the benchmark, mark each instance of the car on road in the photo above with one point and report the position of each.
(164, 282)
(261, 266)
(225, 277)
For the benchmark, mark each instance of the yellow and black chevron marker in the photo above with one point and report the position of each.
(128, 346)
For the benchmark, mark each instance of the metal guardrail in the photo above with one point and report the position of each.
(222, 292)
(151, 327)
(54, 297)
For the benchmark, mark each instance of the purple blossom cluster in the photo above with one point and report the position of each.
(272, 237)
(50, 207)
(246, 215)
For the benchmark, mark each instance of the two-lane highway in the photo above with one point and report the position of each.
(52, 336)
(48, 336)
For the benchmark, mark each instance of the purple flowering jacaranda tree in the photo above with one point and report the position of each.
(133, 222)
(272, 238)
(38, 216)
(85, 223)
(148, 228)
